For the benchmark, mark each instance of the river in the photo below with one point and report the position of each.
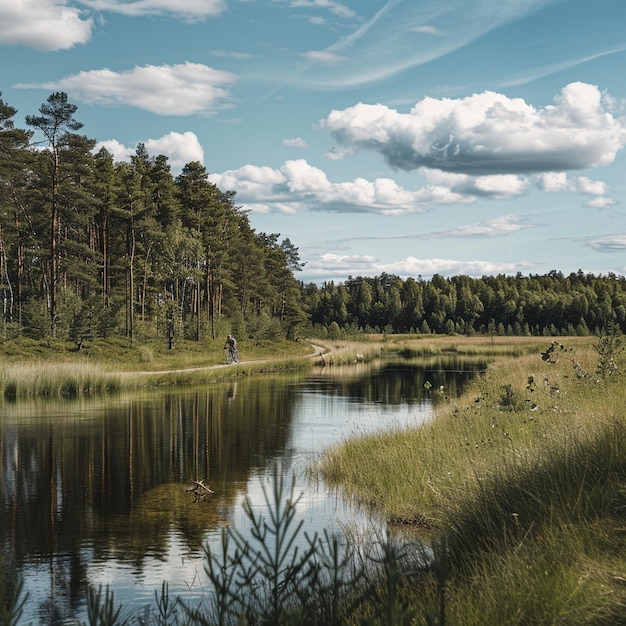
(94, 491)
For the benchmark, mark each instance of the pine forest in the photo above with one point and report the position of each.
(90, 247)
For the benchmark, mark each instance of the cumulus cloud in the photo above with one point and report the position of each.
(412, 266)
(180, 148)
(487, 133)
(298, 186)
(184, 89)
(43, 24)
(495, 186)
(558, 182)
(600, 203)
(119, 151)
(185, 9)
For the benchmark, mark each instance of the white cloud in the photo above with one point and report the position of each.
(185, 89)
(330, 266)
(495, 186)
(600, 202)
(591, 187)
(554, 182)
(323, 57)
(426, 29)
(42, 24)
(119, 151)
(334, 7)
(337, 154)
(609, 243)
(299, 186)
(412, 266)
(180, 148)
(296, 142)
(487, 133)
(558, 182)
(185, 9)
(496, 227)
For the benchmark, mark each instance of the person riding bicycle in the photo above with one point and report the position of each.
(231, 346)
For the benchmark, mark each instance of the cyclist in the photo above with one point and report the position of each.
(231, 346)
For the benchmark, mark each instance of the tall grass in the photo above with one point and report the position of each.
(55, 379)
(30, 369)
(525, 477)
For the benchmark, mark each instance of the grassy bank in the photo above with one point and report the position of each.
(48, 368)
(525, 478)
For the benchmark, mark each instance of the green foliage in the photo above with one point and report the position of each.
(551, 305)
(94, 248)
(609, 348)
(283, 575)
(261, 579)
(101, 609)
(524, 476)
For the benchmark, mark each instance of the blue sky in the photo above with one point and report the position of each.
(404, 136)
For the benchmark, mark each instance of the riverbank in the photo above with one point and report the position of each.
(51, 368)
(48, 368)
(522, 479)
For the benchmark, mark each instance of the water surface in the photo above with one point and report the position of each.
(94, 490)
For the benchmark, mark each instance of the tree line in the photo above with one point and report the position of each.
(550, 304)
(92, 247)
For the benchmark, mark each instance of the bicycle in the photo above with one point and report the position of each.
(232, 355)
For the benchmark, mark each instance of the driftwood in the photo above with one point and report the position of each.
(200, 490)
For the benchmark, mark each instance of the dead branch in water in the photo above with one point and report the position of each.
(200, 490)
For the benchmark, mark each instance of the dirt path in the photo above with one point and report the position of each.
(317, 352)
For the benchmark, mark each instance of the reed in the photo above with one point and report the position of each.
(55, 379)
(55, 369)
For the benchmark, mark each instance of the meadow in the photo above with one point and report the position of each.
(520, 486)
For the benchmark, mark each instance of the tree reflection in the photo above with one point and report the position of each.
(103, 480)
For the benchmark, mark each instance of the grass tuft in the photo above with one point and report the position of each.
(20, 380)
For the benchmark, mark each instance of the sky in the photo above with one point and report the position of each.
(407, 137)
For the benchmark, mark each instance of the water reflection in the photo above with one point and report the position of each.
(93, 490)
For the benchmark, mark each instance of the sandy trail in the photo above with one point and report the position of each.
(317, 351)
